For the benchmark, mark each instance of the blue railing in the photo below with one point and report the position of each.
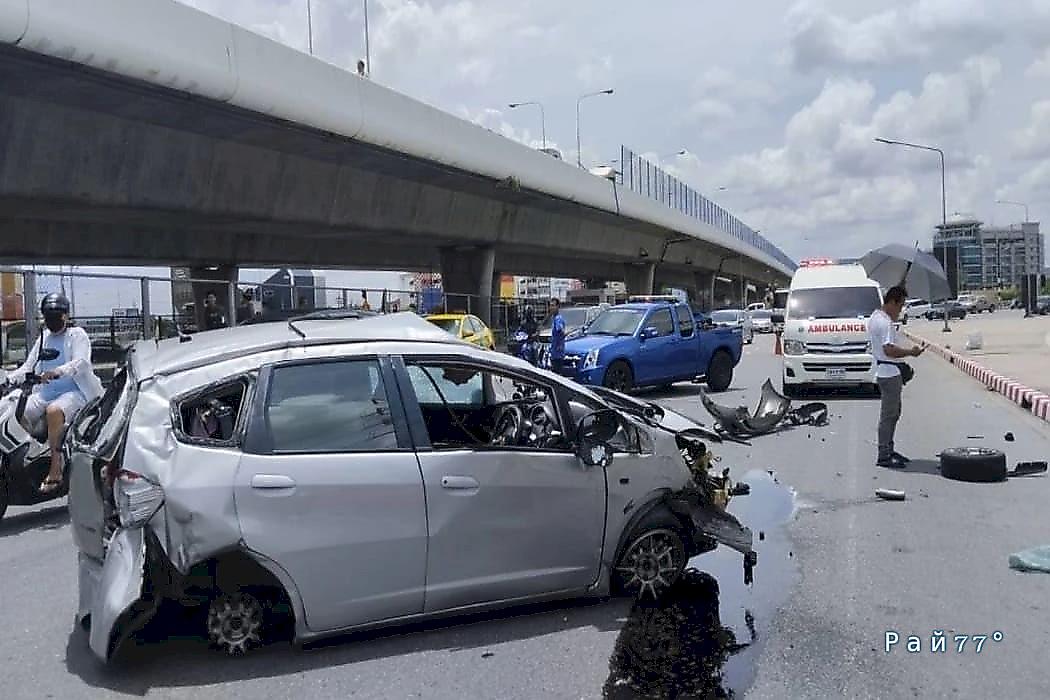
(645, 177)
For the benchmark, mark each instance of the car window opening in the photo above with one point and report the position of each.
(215, 414)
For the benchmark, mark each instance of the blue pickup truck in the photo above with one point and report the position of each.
(655, 344)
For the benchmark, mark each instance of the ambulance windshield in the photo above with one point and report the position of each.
(832, 302)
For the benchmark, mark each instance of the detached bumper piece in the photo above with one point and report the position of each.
(773, 409)
(711, 522)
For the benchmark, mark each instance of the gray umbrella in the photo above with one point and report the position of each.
(918, 272)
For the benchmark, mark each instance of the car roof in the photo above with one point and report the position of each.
(830, 277)
(150, 358)
(445, 317)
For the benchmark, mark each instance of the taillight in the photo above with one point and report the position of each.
(137, 498)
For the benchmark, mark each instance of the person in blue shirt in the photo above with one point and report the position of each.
(557, 352)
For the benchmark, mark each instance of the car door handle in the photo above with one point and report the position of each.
(272, 481)
(459, 482)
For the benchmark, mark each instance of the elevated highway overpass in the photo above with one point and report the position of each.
(147, 132)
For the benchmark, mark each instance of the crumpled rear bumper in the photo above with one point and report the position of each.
(111, 592)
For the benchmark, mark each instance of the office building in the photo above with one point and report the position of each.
(976, 257)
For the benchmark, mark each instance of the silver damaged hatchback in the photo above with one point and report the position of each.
(342, 473)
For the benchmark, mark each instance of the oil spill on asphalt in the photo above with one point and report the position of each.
(702, 640)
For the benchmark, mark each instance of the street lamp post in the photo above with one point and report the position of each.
(368, 47)
(581, 98)
(310, 27)
(543, 118)
(1016, 204)
(944, 203)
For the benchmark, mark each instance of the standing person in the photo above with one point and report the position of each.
(887, 352)
(557, 337)
(68, 381)
(245, 310)
(365, 306)
(214, 314)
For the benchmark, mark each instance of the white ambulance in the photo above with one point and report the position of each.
(825, 338)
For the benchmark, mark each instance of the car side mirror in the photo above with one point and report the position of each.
(706, 324)
(777, 318)
(598, 426)
(648, 332)
(594, 454)
(48, 354)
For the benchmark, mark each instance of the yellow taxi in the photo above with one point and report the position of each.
(465, 327)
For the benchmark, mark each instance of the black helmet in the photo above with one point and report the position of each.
(54, 303)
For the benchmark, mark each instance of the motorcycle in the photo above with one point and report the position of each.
(526, 346)
(25, 457)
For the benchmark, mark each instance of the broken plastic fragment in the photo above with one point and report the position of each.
(1009, 437)
(890, 494)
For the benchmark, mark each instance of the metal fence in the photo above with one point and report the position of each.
(141, 299)
(645, 177)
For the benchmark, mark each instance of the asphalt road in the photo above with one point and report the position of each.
(836, 572)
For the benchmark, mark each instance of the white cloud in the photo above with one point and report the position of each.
(1040, 68)
(819, 38)
(1033, 141)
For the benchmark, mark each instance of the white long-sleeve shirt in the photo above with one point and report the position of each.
(78, 349)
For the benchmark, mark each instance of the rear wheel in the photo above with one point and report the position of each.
(619, 377)
(720, 372)
(235, 623)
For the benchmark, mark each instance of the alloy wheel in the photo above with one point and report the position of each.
(652, 563)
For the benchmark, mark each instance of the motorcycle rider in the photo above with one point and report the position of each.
(68, 382)
(530, 326)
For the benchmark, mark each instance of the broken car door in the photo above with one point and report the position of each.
(331, 492)
(512, 512)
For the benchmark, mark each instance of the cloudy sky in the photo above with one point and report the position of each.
(776, 101)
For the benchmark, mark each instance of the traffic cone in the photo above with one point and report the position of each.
(778, 349)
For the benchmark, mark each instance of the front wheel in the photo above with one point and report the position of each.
(653, 560)
(720, 372)
(619, 377)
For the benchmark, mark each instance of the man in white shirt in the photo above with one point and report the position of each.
(68, 382)
(884, 347)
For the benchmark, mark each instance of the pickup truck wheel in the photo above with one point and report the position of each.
(720, 372)
(618, 377)
(978, 464)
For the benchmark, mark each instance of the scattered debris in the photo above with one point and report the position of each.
(772, 411)
(975, 437)
(1034, 559)
(761, 536)
(838, 473)
(487, 655)
(1027, 469)
(1009, 437)
(890, 494)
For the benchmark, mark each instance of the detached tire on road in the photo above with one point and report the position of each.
(720, 372)
(976, 464)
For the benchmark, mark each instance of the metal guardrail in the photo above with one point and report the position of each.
(112, 334)
(645, 177)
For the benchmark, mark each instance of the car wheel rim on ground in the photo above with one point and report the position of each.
(235, 623)
(652, 563)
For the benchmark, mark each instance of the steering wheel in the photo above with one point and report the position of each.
(541, 423)
(508, 427)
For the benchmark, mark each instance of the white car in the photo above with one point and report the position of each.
(755, 307)
(735, 318)
(916, 308)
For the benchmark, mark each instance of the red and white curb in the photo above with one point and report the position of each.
(1031, 400)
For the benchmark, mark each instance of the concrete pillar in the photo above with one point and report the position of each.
(30, 308)
(705, 280)
(639, 277)
(223, 276)
(469, 275)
